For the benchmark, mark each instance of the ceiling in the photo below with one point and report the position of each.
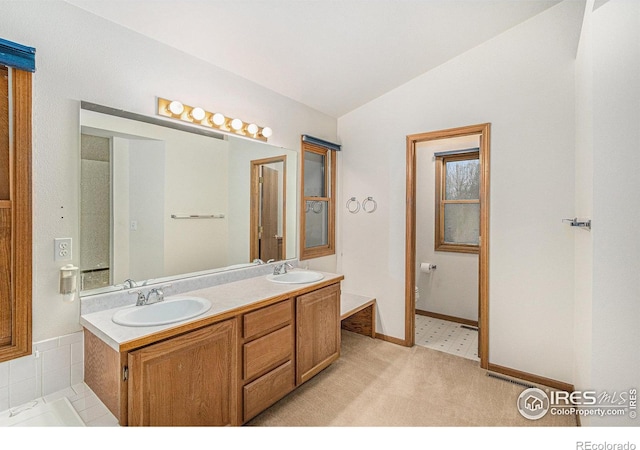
(332, 55)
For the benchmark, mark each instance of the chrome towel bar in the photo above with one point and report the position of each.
(197, 216)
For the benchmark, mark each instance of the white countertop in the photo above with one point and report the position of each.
(224, 298)
(351, 302)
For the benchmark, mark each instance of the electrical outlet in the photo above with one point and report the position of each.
(62, 249)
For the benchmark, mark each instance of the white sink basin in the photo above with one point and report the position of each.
(173, 309)
(296, 277)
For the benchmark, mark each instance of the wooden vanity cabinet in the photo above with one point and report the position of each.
(267, 356)
(187, 380)
(224, 373)
(318, 331)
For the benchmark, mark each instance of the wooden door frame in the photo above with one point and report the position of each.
(255, 201)
(484, 130)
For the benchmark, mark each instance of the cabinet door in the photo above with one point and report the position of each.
(318, 331)
(189, 380)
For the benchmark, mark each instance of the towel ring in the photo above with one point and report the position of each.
(350, 207)
(367, 200)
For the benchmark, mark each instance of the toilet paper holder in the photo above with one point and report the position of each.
(427, 267)
(579, 223)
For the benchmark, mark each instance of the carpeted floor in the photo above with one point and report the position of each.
(376, 383)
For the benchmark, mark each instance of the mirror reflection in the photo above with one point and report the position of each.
(158, 202)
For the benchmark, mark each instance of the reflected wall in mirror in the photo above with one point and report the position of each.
(161, 203)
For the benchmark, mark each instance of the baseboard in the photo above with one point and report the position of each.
(473, 323)
(393, 340)
(536, 379)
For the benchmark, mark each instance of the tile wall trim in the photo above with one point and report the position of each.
(55, 364)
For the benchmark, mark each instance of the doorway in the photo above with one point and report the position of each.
(483, 133)
(268, 210)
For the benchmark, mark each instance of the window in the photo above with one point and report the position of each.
(457, 202)
(317, 237)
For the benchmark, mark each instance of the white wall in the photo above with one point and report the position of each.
(196, 183)
(147, 162)
(522, 82)
(120, 209)
(615, 340)
(583, 257)
(80, 56)
(451, 289)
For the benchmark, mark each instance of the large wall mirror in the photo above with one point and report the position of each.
(160, 200)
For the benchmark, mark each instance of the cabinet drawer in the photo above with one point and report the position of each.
(267, 352)
(271, 317)
(268, 389)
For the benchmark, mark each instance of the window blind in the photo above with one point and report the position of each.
(456, 152)
(320, 142)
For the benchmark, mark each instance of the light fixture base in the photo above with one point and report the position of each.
(245, 129)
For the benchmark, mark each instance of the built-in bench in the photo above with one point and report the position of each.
(358, 314)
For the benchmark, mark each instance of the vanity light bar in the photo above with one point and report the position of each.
(195, 114)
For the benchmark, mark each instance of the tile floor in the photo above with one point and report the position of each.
(448, 337)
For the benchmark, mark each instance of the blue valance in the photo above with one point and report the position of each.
(320, 142)
(18, 56)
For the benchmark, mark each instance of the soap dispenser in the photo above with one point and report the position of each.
(69, 282)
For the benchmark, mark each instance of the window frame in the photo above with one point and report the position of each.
(330, 189)
(441, 163)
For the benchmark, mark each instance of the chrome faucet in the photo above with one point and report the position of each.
(158, 293)
(129, 284)
(142, 300)
(282, 268)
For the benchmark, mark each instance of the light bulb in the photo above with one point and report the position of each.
(267, 132)
(236, 124)
(175, 107)
(197, 113)
(252, 128)
(217, 119)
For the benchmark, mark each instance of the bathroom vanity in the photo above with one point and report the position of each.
(258, 342)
